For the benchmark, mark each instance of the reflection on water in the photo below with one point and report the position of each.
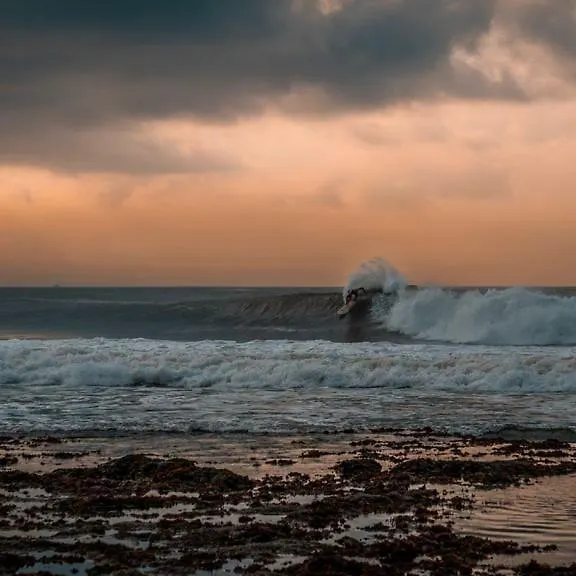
(543, 513)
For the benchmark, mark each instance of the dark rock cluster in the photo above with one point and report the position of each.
(378, 510)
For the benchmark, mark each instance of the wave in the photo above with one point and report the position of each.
(376, 274)
(401, 313)
(301, 306)
(512, 316)
(279, 386)
(250, 308)
(502, 317)
(237, 307)
(284, 363)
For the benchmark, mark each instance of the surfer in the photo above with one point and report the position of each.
(355, 298)
(353, 294)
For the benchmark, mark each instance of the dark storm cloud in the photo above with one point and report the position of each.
(145, 18)
(552, 22)
(68, 66)
(222, 57)
(112, 151)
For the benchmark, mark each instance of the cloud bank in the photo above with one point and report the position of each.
(75, 71)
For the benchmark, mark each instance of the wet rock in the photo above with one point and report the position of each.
(303, 524)
(331, 563)
(6, 461)
(13, 562)
(17, 479)
(45, 440)
(68, 455)
(488, 474)
(534, 568)
(313, 454)
(104, 505)
(358, 468)
(550, 448)
(201, 560)
(135, 473)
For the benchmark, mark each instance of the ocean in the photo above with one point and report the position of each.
(272, 361)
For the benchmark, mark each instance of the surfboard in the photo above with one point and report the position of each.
(344, 310)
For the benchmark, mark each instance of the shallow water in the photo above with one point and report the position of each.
(542, 513)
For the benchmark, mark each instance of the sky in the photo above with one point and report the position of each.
(284, 142)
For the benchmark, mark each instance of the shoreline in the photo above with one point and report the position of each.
(394, 502)
(506, 433)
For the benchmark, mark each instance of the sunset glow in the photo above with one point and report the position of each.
(459, 170)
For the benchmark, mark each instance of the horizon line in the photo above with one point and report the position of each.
(272, 286)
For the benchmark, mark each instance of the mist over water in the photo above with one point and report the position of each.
(376, 274)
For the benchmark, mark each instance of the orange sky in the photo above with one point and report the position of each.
(476, 191)
(453, 194)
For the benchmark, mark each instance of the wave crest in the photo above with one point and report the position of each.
(376, 274)
(513, 316)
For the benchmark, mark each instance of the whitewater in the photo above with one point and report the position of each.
(278, 361)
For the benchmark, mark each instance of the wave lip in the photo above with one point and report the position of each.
(500, 317)
(376, 274)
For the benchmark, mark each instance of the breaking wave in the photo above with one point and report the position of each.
(281, 386)
(376, 274)
(400, 313)
(513, 316)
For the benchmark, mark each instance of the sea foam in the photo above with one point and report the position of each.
(513, 316)
(279, 385)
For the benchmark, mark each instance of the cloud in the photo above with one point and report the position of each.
(23, 195)
(480, 182)
(106, 150)
(223, 58)
(551, 23)
(330, 193)
(371, 134)
(429, 129)
(396, 198)
(117, 194)
(425, 188)
(71, 70)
